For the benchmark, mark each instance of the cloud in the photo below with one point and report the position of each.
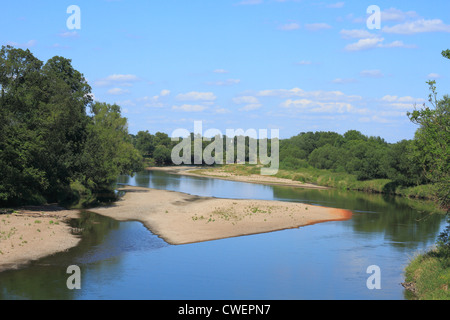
(249, 2)
(344, 81)
(69, 34)
(245, 99)
(118, 91)
(393, 14)
(251, 107)
(304, 63)
(418, 26)
(376, 42)
(117, 80)
(28, 44)
(317, 26)
(402, 103)
(307, 105)
(434, 76)
(228, 82)
(220, 71)
(189, 108)
(357, 33)
(289, 26)
(197, 96)
(319, 95)
(336, 5)
(251, 103)
(364, 44)
(371, 74)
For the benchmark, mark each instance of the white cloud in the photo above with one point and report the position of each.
(418, 26)
(371, 74)
(393, 14)
(222, 110)
(228, 82)
(304, 63)
(190, 108)
(220, 71)
(28, 44)
(364, 44)
(117, 79)
(357, 33)
(250, 2)
(376, 42)
(250, 107)
(344, 81)
(434, 76)
(317, 26)
(336, 5)
(69, 34)
(403, 103)
(197, 96)
(317, 106)
(164, 93)
(289, 26)
(245, 99)
(318, 95)
(118, 91)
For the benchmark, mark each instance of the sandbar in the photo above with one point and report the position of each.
(180, 218)
(31, 233)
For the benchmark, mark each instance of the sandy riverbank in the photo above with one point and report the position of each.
(31, 233)
(219, 173)
(181, 218)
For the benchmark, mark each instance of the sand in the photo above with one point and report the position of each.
(31, 233)
(180, 218)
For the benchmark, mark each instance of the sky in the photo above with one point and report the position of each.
(291, 65)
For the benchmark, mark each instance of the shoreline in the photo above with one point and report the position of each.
(180, 218)
(30, 233)
(217, 173)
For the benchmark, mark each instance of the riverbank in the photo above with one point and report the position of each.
(307, 178)
(30, 233)
(180, 218)
(242, 176)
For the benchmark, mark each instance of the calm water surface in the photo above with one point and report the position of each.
(124, 260)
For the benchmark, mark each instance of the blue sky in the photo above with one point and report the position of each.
(292, 65)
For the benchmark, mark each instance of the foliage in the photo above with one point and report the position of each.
(51, 149)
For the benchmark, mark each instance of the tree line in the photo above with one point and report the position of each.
(57, 144)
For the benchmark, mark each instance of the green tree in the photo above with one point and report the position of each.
(432, 143)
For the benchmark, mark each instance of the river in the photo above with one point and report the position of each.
(124, 260)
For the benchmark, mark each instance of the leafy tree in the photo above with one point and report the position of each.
(432, 143)
(162, 155)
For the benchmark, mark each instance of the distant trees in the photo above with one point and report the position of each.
(51, 148)
(354, 153)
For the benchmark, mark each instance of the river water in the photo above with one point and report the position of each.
(124, 260)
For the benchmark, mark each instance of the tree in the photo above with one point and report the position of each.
(162, 155)
(432, 143)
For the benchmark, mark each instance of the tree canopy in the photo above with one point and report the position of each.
(51, 147)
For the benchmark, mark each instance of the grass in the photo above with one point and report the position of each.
(336, 180)
(429, 275)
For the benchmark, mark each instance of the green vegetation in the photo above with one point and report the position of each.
(51, 148)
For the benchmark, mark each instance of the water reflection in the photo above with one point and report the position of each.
(123, 260)
(401, 222)
(103, 243)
